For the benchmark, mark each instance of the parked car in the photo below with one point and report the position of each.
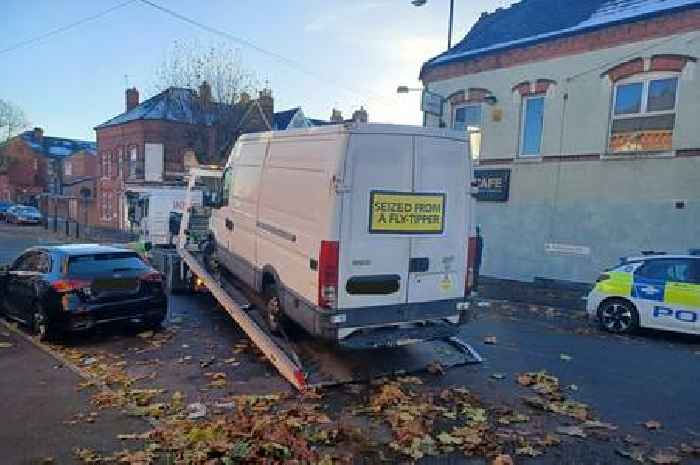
(4, 206)
(653, 291)
(23, 214)
(62, 288)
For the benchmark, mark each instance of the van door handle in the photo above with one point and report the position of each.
(229, 224)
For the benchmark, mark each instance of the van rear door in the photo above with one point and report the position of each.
(437, 265)
(373, 266)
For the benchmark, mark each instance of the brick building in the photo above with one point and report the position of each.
(146, 145)
(583, 122)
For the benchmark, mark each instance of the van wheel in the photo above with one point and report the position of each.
(42, 326)
(618, 316)
(274, 314)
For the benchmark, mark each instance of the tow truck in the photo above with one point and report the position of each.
(304, 361)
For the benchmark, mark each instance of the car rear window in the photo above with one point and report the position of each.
(83, 264)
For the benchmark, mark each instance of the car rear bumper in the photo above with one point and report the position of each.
(85, 316)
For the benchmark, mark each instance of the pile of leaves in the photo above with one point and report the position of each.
(430, 423)
(550, 396)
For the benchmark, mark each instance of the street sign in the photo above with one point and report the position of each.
(494, 185)
(431, 103)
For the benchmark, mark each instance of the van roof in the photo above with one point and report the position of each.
(359, 128)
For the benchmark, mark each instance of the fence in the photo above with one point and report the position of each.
(76, 217)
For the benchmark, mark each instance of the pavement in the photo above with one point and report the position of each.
(625, 380)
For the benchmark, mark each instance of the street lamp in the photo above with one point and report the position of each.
(452, 11)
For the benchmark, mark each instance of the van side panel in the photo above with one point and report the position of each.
(296, 209)
(236, 222)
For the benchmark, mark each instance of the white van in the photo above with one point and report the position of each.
(152, 207)
(351, 230)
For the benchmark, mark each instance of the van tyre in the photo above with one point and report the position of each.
(274, 313)
(42, 326)
(618, 316)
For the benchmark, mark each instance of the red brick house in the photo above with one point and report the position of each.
(146, 145)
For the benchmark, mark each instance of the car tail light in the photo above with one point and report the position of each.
(602, 277)
(70, 285)
(152, 277)
(328, 274)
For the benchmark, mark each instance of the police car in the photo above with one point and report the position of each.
(654, 290)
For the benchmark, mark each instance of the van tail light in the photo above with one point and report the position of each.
(328, 274)
(64, 286)
(152, 277)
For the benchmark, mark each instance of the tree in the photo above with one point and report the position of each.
(12, 119)
(187, 64)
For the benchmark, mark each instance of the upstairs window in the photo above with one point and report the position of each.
(643, 114)
(468, 118)
(532, 126)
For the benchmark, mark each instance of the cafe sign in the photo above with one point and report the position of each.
(493, 185)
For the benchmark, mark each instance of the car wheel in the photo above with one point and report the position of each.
(618, 316)
(42, 326)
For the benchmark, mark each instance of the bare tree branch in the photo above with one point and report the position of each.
(12, 119)
(187, 64)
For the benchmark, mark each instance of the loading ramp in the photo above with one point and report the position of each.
(307, 362)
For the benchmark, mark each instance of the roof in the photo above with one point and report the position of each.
(524, 23)
(178, 105)
(57, 147)
(321, 122)
(282, 119)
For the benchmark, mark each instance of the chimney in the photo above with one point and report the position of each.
(360, 116)
(267, 104)
(336, 116)
(205, 92)
(132, 98)
(38, 135)
(245, 98)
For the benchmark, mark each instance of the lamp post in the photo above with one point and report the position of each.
(452, 11)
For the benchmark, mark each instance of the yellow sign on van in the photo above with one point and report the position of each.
(406, 213)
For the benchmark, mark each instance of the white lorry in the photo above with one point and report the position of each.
(150, 210)
(356, 233)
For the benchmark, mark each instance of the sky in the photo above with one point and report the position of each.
(351, 53)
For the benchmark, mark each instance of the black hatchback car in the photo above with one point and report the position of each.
(73, 287)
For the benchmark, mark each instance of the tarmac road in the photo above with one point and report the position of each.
(626, 380)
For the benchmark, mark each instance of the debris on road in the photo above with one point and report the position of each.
(197, 411)
(565, 357)
(652, 425)
(498, 376)
(6, 345)
(483, 304)
(490, 340)
(502, 460)
(575, 431)
(667, 456)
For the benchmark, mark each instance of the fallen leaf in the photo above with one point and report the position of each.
(528, 451)
(571, 431)
(490, 340)
(6, 345)
(146, 334)
(572, 387)
(565, 357)
(447, 439)
(483, 304)
(498, 375)
(502, 459)
(665, 457)
(197, 410)
(652, 425)
(595, 424)
(635, 454)
(435, 368)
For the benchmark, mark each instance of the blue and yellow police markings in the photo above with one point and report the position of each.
(680, 301)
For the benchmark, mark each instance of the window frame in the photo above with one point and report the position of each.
(480, 106)
(645, 79)
(523, 122)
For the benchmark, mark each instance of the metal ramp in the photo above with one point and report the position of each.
(307, 362)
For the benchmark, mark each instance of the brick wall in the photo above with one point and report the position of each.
(25, 169)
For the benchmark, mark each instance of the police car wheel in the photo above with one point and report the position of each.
(618, 316)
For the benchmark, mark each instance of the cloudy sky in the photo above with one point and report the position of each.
(346, 53)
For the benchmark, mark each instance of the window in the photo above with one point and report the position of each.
(532, 126)
(468, 117)
(103, 165)
(30, 261)
(226, 187)
(676, 270)
(643, 114)
(135, 165)
(67, 168)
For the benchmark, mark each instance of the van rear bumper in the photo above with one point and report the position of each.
(390, 325)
